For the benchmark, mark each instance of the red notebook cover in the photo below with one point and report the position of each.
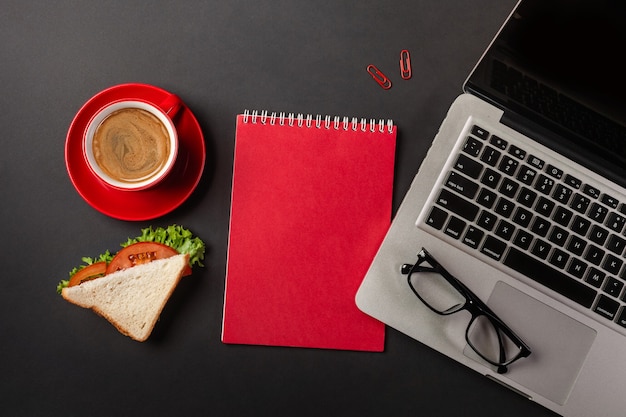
(311, 203)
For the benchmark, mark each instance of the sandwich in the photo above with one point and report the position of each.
(130, 289)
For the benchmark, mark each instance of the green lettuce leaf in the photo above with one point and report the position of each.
(174, 236)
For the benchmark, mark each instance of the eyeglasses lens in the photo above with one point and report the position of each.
(436, 292)
(489, 342)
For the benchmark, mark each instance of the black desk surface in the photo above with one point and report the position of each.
(221, 57)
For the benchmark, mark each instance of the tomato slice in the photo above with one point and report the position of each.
(90, 272)
(141, 253)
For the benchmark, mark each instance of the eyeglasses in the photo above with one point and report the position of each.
(444, 294)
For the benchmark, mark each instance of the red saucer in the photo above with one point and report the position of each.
(145, 204)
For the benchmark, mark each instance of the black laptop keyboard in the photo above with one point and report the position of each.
(536, 218)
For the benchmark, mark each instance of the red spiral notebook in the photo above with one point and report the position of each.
(311, 203)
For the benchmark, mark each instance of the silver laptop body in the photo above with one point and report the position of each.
(515, 235)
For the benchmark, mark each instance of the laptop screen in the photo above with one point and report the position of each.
(559, 64)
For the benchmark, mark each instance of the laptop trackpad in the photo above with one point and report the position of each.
(559, 344)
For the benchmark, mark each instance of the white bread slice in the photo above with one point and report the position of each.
(131, 299)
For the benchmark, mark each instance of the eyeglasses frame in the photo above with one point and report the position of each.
(474, 305)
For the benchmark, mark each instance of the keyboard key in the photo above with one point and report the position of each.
(594, 254)
(577, 268)
(562, 194)
(536, 162)
(580, 225)
(550, 277)
(595, 277)
(544, 184)
(559, 258)
(558, 236)
(540, 226)
(436, 218)
(472, 146)
(504, 207)
(613, 287)
(522, 217)
(490, 156)
(508, 165)
(473, 236)
(487, 220)
(498, 142)
(580, 203)
(576, 245)
(508, 188)
(526, 175)
(572, 181)
(486, 198)
(616, 222)
(616, 244)
(541, 249)
(468, 166)
(462, 185)
(606, 307)
(544, 206)
(480, 132)
(598, 212)
(491, 178)
(526, 197)
(554, 171)
(505, 230)
(455, 227)
(562, 216)
(592, 192)
(517, 152)
(612, 264)
(522, 239)
(458, 205)
(494, 248)
(609, 201)
(598, 235)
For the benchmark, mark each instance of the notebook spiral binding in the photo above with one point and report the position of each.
(327, 122)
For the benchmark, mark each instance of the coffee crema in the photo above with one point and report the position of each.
(131, 145)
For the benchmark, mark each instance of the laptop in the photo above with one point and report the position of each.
(522, 199)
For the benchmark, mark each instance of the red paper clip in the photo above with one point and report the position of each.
(379, 77)
(405, 64)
